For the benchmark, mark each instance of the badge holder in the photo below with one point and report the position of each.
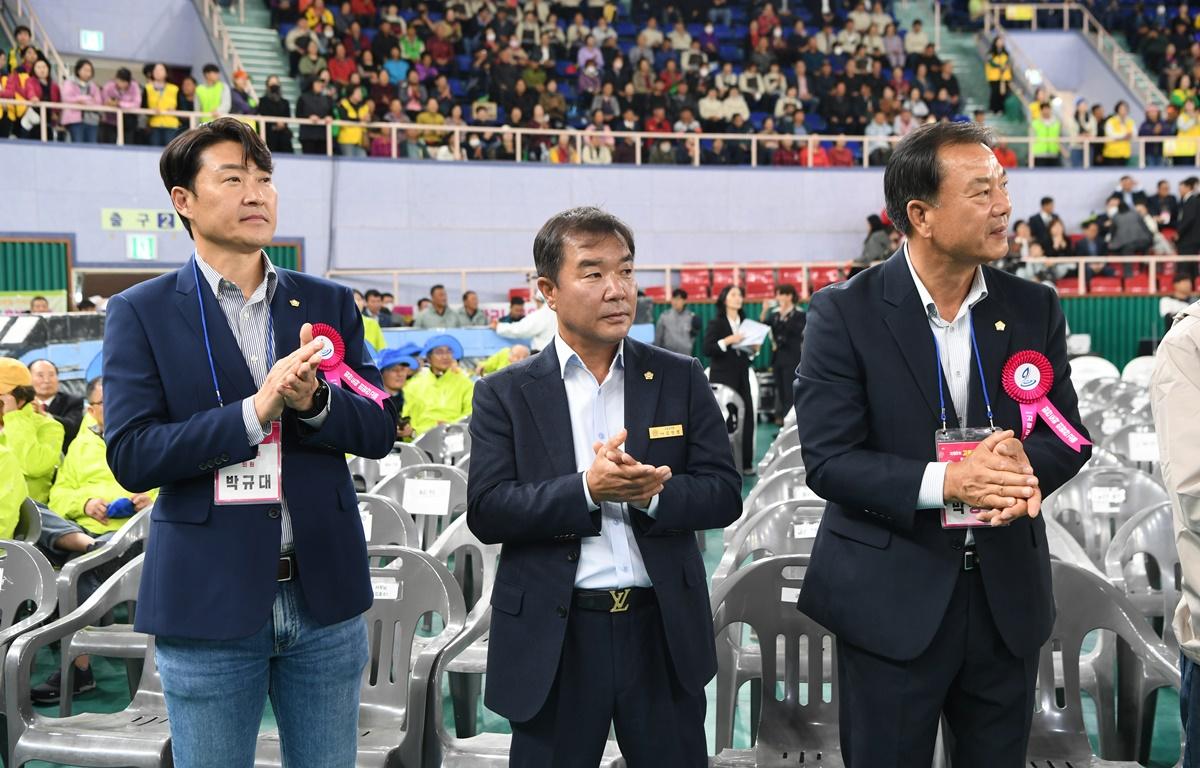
(954, 445)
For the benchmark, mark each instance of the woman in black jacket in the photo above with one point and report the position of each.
(317, 106)
(731, 366)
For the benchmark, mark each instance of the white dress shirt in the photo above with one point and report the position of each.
(954, 348)
(611, 560)
(539, 326)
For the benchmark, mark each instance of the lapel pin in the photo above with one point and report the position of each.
(648, 375)
(1000, 325)
(294, 302)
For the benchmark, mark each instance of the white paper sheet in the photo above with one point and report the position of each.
(426, 497)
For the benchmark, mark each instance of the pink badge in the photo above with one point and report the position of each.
(1028, 377)
(333, 352)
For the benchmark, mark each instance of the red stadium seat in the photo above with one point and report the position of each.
(656, 292)
(720, 279)
(793, 276)
(1104, 285)
(824, 276)
(1068, 287)
(523, 292)
(760, 283)
(695, 281)
(1137, 283)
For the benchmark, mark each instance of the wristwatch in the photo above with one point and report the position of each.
(320, 400)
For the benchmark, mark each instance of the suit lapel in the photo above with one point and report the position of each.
(641, 397)
(226, 355)
(908, 322)
(988, 318)
(287, 317)
(546, 397)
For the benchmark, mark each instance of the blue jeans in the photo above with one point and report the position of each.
(1189, 711)
(215, 689)
(82, 133)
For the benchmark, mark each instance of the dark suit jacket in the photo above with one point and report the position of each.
(68, 411)
(729, 367)
(882, 572)
(210, 570)
(1040, 230)
(1188, 227)
(525, 493)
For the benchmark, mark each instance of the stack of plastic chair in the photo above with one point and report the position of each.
(1137, 443)
(781, 486)
(1089, 367)
(787, 439)
(1094, 503)
(792, 458)
(431, 521)
(385, 523)
(1138, 370)
(29, 522)
(28, 578)
(733, 410)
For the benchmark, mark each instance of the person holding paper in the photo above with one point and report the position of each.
(593, 464)
(925, 399)
(255, 576)
(731, 360)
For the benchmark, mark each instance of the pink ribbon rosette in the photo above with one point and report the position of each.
(333, 355)
(1028, 377)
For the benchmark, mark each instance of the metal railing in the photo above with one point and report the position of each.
(1079, 17)
(755, 143)
(210, 15)
(23, 12)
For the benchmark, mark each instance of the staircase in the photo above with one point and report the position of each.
(260, 49)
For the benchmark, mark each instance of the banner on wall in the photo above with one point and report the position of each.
(139, 220)
(13, 302)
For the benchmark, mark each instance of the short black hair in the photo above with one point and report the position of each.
(386, 295)
(423, 300)
(466, 294)
(124, 74)
(371, 293)
(357, 293)
(210, 68)
(90, 389)
(724, 294)
(549, 244)
(1047, 201)
(1192, 181)
(914, 171)
(38, 298)
(787, 289)
(439, 286)
(81, 63)
(679, 293)
(22, 28)
(23, 395)
(516, 301)
(180, 161)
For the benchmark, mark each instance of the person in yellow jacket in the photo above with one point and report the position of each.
(85, 490)
(1047, 129)
(372, 331)
(13, 492)
(351, 139)
(998, 70)
(441, 393)
(164, 96)
(1118, 131)
(502, 359)
(34, 437)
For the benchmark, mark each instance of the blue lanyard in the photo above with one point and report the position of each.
(208, 347)
(987, 401)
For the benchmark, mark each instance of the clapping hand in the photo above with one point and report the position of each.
(617, 476)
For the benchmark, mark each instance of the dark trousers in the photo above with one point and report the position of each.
(614, 669)
(1189, 704)
(784, 369)
(889, 710)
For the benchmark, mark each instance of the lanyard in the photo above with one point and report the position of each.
(208, 347)
(987, 401)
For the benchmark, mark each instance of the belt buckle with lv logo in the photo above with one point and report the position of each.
(620, 598)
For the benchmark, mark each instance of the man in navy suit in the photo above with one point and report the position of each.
(594, 463)
(255, 576)
(932, 619)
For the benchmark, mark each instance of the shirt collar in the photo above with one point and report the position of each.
(566, 356)
(214, 279)
(977, 293)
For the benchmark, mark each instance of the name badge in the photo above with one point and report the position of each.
(256, 481)
(954, 445)
(674, 430)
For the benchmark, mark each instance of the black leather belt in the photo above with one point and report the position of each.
(613, 600)
(970, 558)
(287, 567)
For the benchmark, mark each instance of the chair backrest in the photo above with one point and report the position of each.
(1087, 602)
(763, 595)
(25, 576)
(456, 442)
(464, 463)
(1094, 503)
(787, 438)
(733, 411)
(457, 540)
(128, 542)
(1063, 546)
(1104, 458)
(434, 494)
(784, 484)
(1137, 443)
(368, 472)
(783, 528)
(29, 522)
(1151, 582)
(1138, 370)
(432, 441)
(788, 459)
(1089, 367)
(386, 523)
(1097, 388)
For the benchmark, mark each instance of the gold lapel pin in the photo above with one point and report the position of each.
(294, 302)
(648, 375)
(1000, 326)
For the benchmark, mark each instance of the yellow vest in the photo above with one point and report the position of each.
(1121, 148)
(997, 68)
(167, 100)
(1046, 138)
(350, 134)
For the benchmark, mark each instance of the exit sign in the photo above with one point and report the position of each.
(141, 247)
(91, 40)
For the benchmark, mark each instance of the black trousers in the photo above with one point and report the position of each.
(784, 369)
(890, 710)
(614, 669)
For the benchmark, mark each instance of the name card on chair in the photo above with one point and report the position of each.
(454, 442)
(789, 595)
(426, 497)
(1143, 446)
(804, 493)
(1106, 500)
(387, 588)
(805, 530)
(389, 465)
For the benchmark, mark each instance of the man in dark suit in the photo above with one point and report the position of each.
(67, 409)
(932, 619)
(255, 576)
(1188, 228)
(1039, 223)
(594, 462)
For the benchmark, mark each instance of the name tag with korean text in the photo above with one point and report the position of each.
(673, 430)
(954, 445)
(256, 481)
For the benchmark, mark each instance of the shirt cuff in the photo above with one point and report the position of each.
(593, 506)
(933, 483)
(255, 433)
(652, 510)
(722, 345)
(315, 422)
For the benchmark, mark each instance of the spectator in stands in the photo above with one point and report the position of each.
(39, 305)
(1047, 129)
(440, 394)
(539, 326)
(162, 95)
(1180, 298)
(678, 327)
(1188, 226)
(787, 323)
(65, 408)
(1163, 205)
(1058, 245)
(1127, 233)
(998, 70)
(121, 92)
(840, 155)
(877, 246)
(439, 314)
(1155, 126)
(596, 151)
(1082, 125)
(17, 54)
(213, 98)
(13, 490)
(502, 359)
(35, 438)
(243, 98)
(1092, 243)
(81, 89)
(1039, 223)
(312, 62)
(1127, 190)
(516, 310)
(279, 135)
(315, 105)
(187, 94)
(471, 315)
(432, 115)
(373, 308)
(1005, 153)
(788, 154)
(730, 364)
(40, 87)
(1118, 130)
(879, 150)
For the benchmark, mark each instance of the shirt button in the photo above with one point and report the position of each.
(245, 315)
(572, 556)
(562, 612)
(254, 358)
(273, 513)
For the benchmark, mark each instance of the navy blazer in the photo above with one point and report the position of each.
(210, 571)
(882, 572)
(525, 493)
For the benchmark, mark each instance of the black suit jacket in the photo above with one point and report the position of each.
(730, 367)
(525, 493)
(1040, 230)
(68, 411)
(882, 571)
(1188, 228)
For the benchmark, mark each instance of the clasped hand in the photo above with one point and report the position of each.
(996, 478)
(616, 476)
(292, 381)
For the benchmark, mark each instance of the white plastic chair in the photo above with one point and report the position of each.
(1089, 367)
(1138, 370)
